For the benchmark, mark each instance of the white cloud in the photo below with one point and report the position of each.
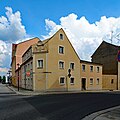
(11, 30)
(84, 36)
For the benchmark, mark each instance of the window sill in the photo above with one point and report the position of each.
(39, 67)
(61, 68)
(62, 84)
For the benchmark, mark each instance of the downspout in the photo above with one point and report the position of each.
(46, 73)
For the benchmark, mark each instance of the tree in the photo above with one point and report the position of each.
(4, 79)
(0, 79)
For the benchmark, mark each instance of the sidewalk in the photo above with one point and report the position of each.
(23, 91)
(4, 89)
(30, 92)
(108, 114)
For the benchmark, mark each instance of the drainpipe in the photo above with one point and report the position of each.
(46, 73)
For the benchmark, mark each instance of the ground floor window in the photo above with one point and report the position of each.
(62, 80)
(72, 80)
(91, 81)
(97, 81)
(112, 81)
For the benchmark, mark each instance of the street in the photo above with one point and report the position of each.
(53, 107)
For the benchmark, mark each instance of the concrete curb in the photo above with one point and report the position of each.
(95, 115)
(32, 93)
(22, 93)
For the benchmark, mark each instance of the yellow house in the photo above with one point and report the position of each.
(53, 65)
(90, 75)
(50, 60)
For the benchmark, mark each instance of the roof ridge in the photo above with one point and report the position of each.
(27, 40)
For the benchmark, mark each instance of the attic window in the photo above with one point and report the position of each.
(61, 36)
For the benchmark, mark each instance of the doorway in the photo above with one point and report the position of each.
(83, 83)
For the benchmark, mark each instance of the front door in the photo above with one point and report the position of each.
(83, 83)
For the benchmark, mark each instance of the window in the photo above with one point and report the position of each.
(91, 68)
(98, 69)
(28, 66)
(61, 50)
(62, 80)
(91, 81)
(40, 63)
(97, 82)
(71, 80)
(61, 36)
(72, 66)
(112, 81)
(61, 64)
(83, 67)
(31, 66)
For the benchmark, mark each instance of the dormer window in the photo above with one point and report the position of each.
(61, 36)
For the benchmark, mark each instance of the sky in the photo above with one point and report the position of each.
(86, 22)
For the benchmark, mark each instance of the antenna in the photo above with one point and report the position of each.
(118, 37)
(111, 36)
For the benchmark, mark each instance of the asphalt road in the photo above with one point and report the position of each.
(54, 107)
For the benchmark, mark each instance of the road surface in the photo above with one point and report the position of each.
(53, 107)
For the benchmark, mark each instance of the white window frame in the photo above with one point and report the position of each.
(40, 66)
(64, 80)
(59, 50)
(82, 67)
(74, 80)
(92, 81)
(70, 65)
(97, 81)
(63, 64)
(98, 69)
(60, 36)
(91, 68)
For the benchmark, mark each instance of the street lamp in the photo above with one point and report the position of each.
(18, 75)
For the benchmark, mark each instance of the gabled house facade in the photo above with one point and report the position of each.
(51, 60)
(53, 65)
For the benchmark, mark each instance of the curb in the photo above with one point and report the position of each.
(21, 93)
(49, 93)
(95, 115)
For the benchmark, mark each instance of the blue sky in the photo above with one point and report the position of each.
(34, 12)
(86, 22)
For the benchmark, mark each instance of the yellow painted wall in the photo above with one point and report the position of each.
(39, 77)
(107, 82)
(87, 74)
(53, 58)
